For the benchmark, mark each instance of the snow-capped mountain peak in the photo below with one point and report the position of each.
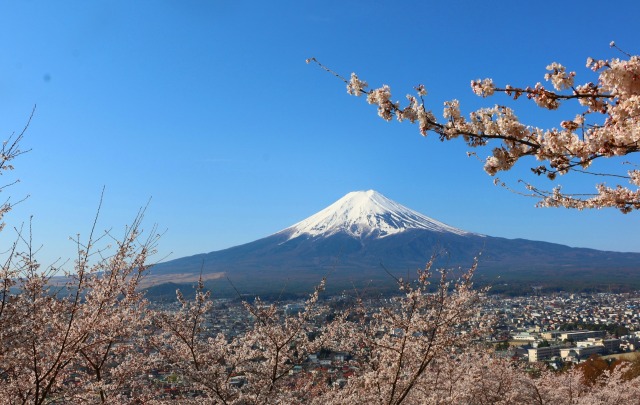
(366, 214)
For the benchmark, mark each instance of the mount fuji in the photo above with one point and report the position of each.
(364, 236)
(364, 214)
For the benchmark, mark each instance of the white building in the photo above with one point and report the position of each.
(580, 352)
(582, 334)
(543, 353)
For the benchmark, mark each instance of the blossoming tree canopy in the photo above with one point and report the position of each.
(607, 126)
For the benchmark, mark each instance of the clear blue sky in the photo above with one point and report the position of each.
(208, 108)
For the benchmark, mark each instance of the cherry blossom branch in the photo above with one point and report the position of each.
(611, 106)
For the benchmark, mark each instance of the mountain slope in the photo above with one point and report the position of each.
(354, 238)
(366, 214)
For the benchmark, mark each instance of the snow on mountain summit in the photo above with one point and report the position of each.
(364, 214)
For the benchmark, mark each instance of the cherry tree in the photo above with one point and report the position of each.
(400, 351)
(75, 335)
(254, 367)
(74, 340)
(403, 348)
(607, 126)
